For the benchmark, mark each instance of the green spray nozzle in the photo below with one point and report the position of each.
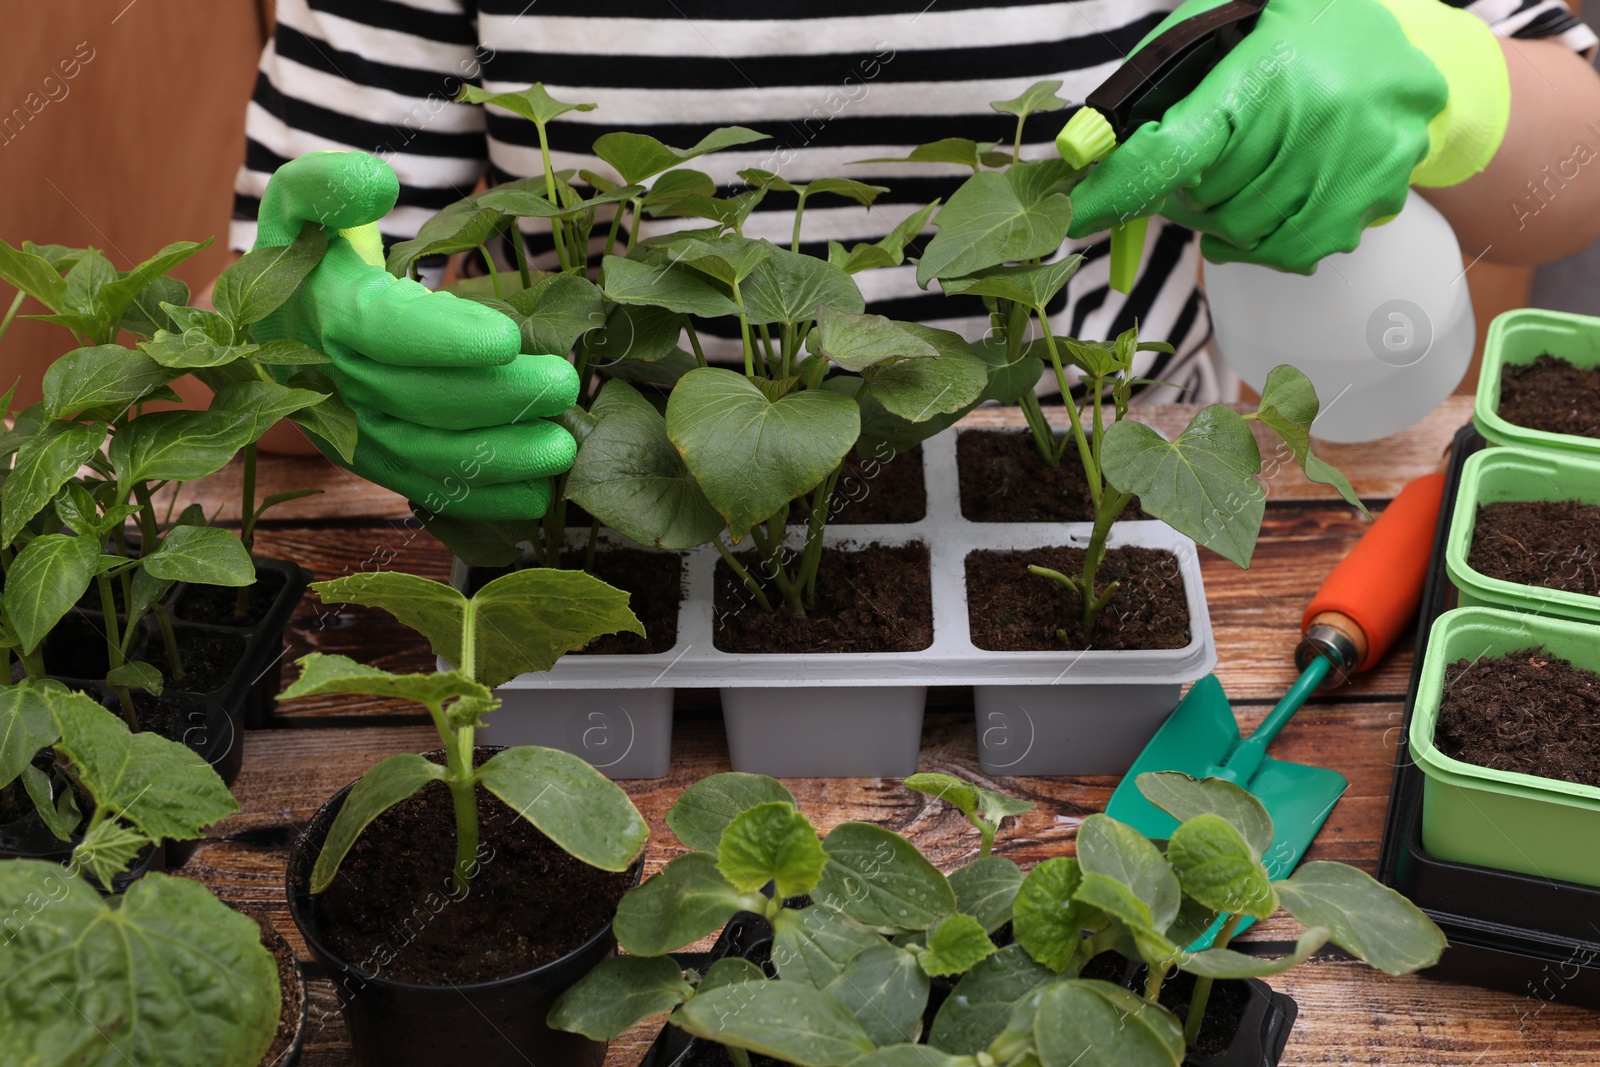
(1088, 138)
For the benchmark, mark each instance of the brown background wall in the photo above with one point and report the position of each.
(139, 149)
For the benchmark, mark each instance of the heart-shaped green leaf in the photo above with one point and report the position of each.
(166, 974)
(628, 281)
(1033, 285)
(619, 992)
(771, 842)
(1203, 484)
(880, 880)
(636, 156)
(752, 455)
(1289, 406)
(918, 390)
(687, 900)
(955, 945)
(556, 312)
(1040, 96)
(998, 218)
(533, 103)
(1047, 921)
(787, 288)
(705, 809)
(985, 890)
(1216, 866)
(856, 342)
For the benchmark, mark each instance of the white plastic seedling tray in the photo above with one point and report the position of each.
(860, 714)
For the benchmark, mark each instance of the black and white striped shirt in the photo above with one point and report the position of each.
(832, 81)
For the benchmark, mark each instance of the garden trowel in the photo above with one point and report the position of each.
(1158, 74)
(1358, 613)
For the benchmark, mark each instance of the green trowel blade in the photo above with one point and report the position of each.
(1197, 740)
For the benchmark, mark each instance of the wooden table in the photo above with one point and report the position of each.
(1348, 1014)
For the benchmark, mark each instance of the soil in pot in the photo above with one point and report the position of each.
(393, 908)
(1552, 395)
(209, 659)
(654, 581)
(76, 648)
(1224, 1011)
(289, 984)
(1525, 711)
(217, 605)
(1004, 479)
(876, 491)
(1547, 543)
(876, 599)
(1012, 610)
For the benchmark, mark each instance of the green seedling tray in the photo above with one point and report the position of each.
(1518, 474)
(1503, 819)
(1521, 336)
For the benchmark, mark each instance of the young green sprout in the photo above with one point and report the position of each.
(985, 808)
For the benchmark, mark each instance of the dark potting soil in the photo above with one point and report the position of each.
(1552, 395)
(1012, 610)
(76, 648)
(1224, 1010)
(209, 658)
(1004, 479)
(876, 490)
(216, 604)
(393, 908)
(876, 599)
(289, 985)
(165, 717)
(1549, 543)
(654, 581)
(1526, 711)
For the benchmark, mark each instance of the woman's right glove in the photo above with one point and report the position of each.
(450, 412)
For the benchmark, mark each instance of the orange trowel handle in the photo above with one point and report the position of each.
(1374, 591)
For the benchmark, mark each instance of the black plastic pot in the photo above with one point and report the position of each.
(1259, 1041)
(290, 1056)
(1516, 932)
(400, 1024)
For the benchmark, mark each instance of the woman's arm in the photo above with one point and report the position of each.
(1539, 199)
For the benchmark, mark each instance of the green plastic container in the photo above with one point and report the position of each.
(1517, 474)
(1522, 336)
(1503, 819)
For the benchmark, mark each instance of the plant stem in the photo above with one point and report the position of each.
(1044, 438)
(1091, 469)
(744, 334)
(519, 248)
(799, 209)
(550, 194)
(739, 1056)
(1202, 987)
(811, 561)
(774, 366)
(694, 342)
(247, 528)
(1110, 507)
(588, 552)
(494, 275)
(1153, 979)
(152, 537)
(11, 313)
(775, 539)
(749, 582)
(32, 663)
(1016, 145)
(108, 606)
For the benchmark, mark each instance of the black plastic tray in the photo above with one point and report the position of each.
(1508, 931)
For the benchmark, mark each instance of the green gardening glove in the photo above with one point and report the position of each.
(1311, 129)
(450, 413)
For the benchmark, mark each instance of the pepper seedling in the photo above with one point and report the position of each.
(524, 621)
(218, 987)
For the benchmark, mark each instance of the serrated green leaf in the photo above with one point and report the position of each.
(856, 342)
(1117, 851)
(1202, 484)
(162, 787)
(45, 580)
(1184, 797)
(1040, 96)
(771, 842)
(1366, 919)
(260, 281)
(1217, 867)
(571, 803)
(687, 900)
(704, 811)
(750, 455)
(636, 157)
(167, 974)
(976, 1011)
(956, 944)
(381, 788)
(816, 943)
(108, 850)
(203, 555)
(786, 1020)
(322, 673)
(628, 281)
(619, 992)
(880, 880)
(985, 890)
(629, 476)
(1048, 922)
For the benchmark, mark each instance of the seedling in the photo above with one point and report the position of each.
(524, 621)
(854, 967)
(92, 414)
(995, 235)
(984, 808)
(219, 985)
